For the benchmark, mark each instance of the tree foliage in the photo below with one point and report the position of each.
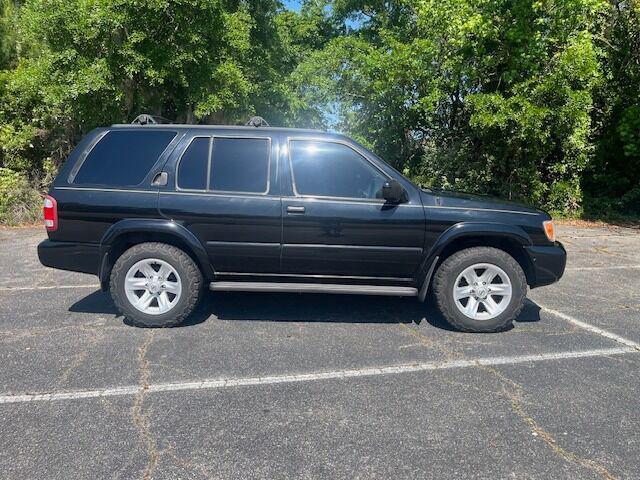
(526, 99)
(612, 179)
(87, 63)
(488, 96)
(8, 34)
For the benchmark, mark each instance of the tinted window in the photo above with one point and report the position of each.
(192, 172)
(239, 165)
(333, 170)
(123, 158)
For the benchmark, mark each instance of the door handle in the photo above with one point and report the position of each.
(295, 210)
(160, 180)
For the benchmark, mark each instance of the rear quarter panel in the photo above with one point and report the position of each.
(85, 212)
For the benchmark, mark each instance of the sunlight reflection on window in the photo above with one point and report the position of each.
(312, 149)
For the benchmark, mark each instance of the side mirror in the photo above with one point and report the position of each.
(393, 192)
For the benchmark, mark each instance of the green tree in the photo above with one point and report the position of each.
(86, 63)
(89, 63)
(612, 181)
(533, 100)
(487, 96)
(8, 34)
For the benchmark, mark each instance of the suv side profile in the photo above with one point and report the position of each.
(159, 212)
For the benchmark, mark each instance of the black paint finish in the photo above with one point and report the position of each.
(280, 235)
(352, 238)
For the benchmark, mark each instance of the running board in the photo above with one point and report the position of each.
(313, 288)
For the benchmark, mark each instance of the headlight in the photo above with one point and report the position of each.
(549, 230)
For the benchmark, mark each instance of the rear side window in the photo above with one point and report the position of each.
(226, 165)
(240, 165)
(192, 171)
(328, 169)
(123, 158)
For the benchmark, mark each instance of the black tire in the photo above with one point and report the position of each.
(453, 266)
(190, 277)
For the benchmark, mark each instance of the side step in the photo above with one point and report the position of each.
(313, 288)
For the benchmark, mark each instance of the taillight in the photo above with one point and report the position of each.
(50, 213)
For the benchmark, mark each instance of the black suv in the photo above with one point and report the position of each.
(158, 212)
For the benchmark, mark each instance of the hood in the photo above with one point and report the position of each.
(450, 198)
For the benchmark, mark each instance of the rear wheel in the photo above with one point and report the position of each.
(155, 284)
(480, 289)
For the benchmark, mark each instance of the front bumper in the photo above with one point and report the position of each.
(73, 256)
(547, 263)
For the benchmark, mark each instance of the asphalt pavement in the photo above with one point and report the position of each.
(274, 386)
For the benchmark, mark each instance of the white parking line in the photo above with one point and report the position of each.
(306, 377)
(46, 287)
(592, 328)
(611, 267)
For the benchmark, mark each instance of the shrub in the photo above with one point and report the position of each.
(20, 202)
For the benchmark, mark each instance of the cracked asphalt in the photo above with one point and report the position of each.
(276, 386)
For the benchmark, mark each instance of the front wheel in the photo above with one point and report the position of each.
(480, 289)
(155, 284)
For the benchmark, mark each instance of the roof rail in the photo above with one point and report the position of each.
(146, 119)
(257, 121)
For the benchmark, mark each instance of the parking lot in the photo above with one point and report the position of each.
(315, 386)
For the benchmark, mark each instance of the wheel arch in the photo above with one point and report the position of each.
(510, 238)
(129, 232)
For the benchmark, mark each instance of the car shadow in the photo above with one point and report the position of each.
(314, 308)
(100, 302)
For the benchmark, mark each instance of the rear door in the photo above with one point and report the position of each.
(335, 223)
(223, 188)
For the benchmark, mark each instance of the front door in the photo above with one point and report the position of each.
(225, 194)
(335, 223)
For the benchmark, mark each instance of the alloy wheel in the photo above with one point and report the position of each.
(482, 291)
(153, 286)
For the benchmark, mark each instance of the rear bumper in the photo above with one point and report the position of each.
(548, 264)
(76, 257)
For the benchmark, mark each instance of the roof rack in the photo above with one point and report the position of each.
(257, 121)
(146, 119)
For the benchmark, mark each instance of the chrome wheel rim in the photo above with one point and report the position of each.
(153, 286)
(482, 291)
